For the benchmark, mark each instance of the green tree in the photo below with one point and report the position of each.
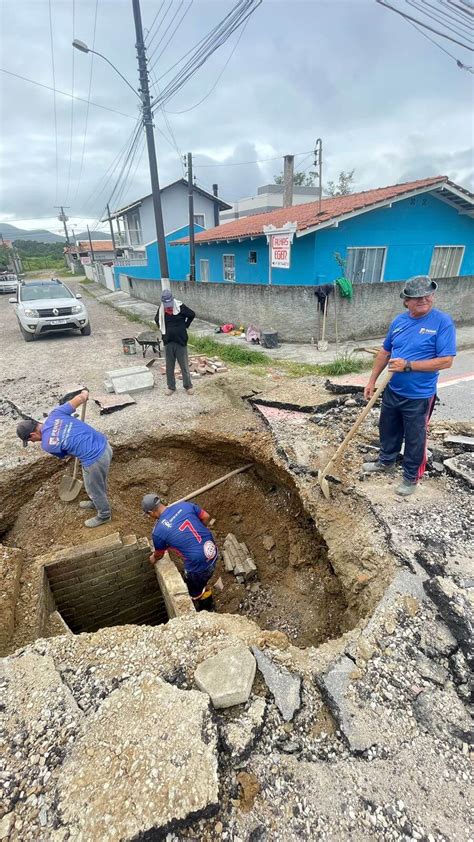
(343, 186)
(300, 179)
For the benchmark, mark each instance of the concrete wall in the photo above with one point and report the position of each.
(408, 230)
(292, 311)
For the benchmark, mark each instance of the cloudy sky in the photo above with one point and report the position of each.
(385, 101)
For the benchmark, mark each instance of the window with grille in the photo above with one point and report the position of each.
(204, 268)
(252, 256)
(365, 265)
(200, 219)
(446, 261)
(229, 267)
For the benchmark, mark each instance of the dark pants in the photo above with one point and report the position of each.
(200, 594)
(405, 418)
(176, 352)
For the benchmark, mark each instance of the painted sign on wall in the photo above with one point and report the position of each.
(280, 247)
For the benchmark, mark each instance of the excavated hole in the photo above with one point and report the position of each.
(296, 590)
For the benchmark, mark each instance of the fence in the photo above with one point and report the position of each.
(292, 310)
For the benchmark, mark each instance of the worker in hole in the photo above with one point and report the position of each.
(183, 528)
(61, 434)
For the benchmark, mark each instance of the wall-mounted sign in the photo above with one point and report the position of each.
(279, 246)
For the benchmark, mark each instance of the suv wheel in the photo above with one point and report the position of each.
(86, 331)
(27, 336)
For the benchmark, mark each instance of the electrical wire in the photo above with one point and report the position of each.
(163, 50)
(148, 42)
(101, 186)
(424, 25)
(161, 22)
(86, 126)
(192, 107)
(65, 93)
(54, 99)
(244, 163)
(443, 49)
(435, 17)
(72, 101)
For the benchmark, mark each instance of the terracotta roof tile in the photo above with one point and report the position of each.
(307, 215)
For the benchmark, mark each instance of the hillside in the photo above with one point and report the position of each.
(41, 235)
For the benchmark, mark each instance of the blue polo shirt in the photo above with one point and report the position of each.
(62, 435)
(433, 335)
(180, 529)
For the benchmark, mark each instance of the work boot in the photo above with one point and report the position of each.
(169, 392)
(96, 521)
(205, 604)
(189, 391)
(406, 488)
(378, 467)
(86, 504)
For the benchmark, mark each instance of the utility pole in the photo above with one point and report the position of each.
(215, 192)
(150, 139)
(90, 243)
(63, 218)
(112, 235)
(318, 163)
(192, 247)
(288, 179)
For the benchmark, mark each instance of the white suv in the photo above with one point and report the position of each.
(49, 306)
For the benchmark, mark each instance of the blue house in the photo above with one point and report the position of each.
(387, 234)
(136, 233)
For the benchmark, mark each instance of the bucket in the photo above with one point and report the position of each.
(128, 346)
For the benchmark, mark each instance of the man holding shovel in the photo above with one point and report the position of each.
(419, 344)
(63, 435)
(183, 528)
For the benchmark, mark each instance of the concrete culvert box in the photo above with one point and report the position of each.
(108, 582)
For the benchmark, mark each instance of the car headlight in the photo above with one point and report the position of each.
(31, 314)
(76, 308)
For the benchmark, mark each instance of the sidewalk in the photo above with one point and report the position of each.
(295, 352)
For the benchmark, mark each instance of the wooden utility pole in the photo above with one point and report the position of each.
(63, 218)
(150, 139)
(111, 231)
(192, 246)
(288, 177)
(90, 242)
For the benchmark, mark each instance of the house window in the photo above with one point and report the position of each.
(365, 265)
(200, 219)
(134, 228)
(229, 267)
(446, 261)
(204, 270)
(252, 256)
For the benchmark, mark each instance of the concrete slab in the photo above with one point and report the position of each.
(284, 686)
(462, 466)
(227, 677)
(133, 379)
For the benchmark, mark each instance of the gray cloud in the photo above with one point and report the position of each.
(385, 101)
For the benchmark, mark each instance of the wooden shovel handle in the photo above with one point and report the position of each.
(76, 461)
(325, 316)
(357, 423)
(213, 484)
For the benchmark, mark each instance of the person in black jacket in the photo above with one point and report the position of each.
(173, 318)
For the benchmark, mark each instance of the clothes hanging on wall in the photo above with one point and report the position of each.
(321, 293)
(345, 287)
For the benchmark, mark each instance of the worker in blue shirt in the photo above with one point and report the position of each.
(62, 434)
(183, 529)
(419, 344)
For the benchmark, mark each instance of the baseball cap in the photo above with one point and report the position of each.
(150, 502)
(418, 286)
(25, 428)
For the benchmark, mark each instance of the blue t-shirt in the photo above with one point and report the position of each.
(433, 335)
(62, 435)
(180, 529)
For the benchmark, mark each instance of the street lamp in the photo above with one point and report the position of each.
(147, 118)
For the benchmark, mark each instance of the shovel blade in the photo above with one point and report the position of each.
(69, 489)
(323, 345)
(324, 485)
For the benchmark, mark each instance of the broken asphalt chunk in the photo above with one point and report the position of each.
(284, 686)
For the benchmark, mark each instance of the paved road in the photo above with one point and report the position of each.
(456, 389)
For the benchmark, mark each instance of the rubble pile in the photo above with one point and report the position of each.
(237, 559)
(199, 366)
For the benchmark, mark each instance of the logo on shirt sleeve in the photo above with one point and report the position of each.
(210, 549)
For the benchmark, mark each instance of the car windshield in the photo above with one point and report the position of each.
(36, 292)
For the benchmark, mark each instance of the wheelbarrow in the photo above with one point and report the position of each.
(149, 339)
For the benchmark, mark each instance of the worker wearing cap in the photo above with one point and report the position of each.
(183, 528)
(419, 344)
(61, 434)
(173, 318)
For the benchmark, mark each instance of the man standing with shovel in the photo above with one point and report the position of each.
(61, 434)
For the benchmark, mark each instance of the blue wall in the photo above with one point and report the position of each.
(409, 230)
(178, 259)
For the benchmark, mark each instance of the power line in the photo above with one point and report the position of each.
(185, 110)
(171, 36)
(81, 165)
(153, 23)
(166, 30)
(424, 25)
(65, 93)
(244, 163)
(435, 17)
(54, 99)
(72, 101)
(159, 24)
(440, 47)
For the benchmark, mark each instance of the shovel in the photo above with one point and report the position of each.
(324, 471)
(322, 343)
(69, 486)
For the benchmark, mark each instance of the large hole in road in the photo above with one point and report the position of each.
(295, 590)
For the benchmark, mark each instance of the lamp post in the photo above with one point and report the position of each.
(143, 95)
